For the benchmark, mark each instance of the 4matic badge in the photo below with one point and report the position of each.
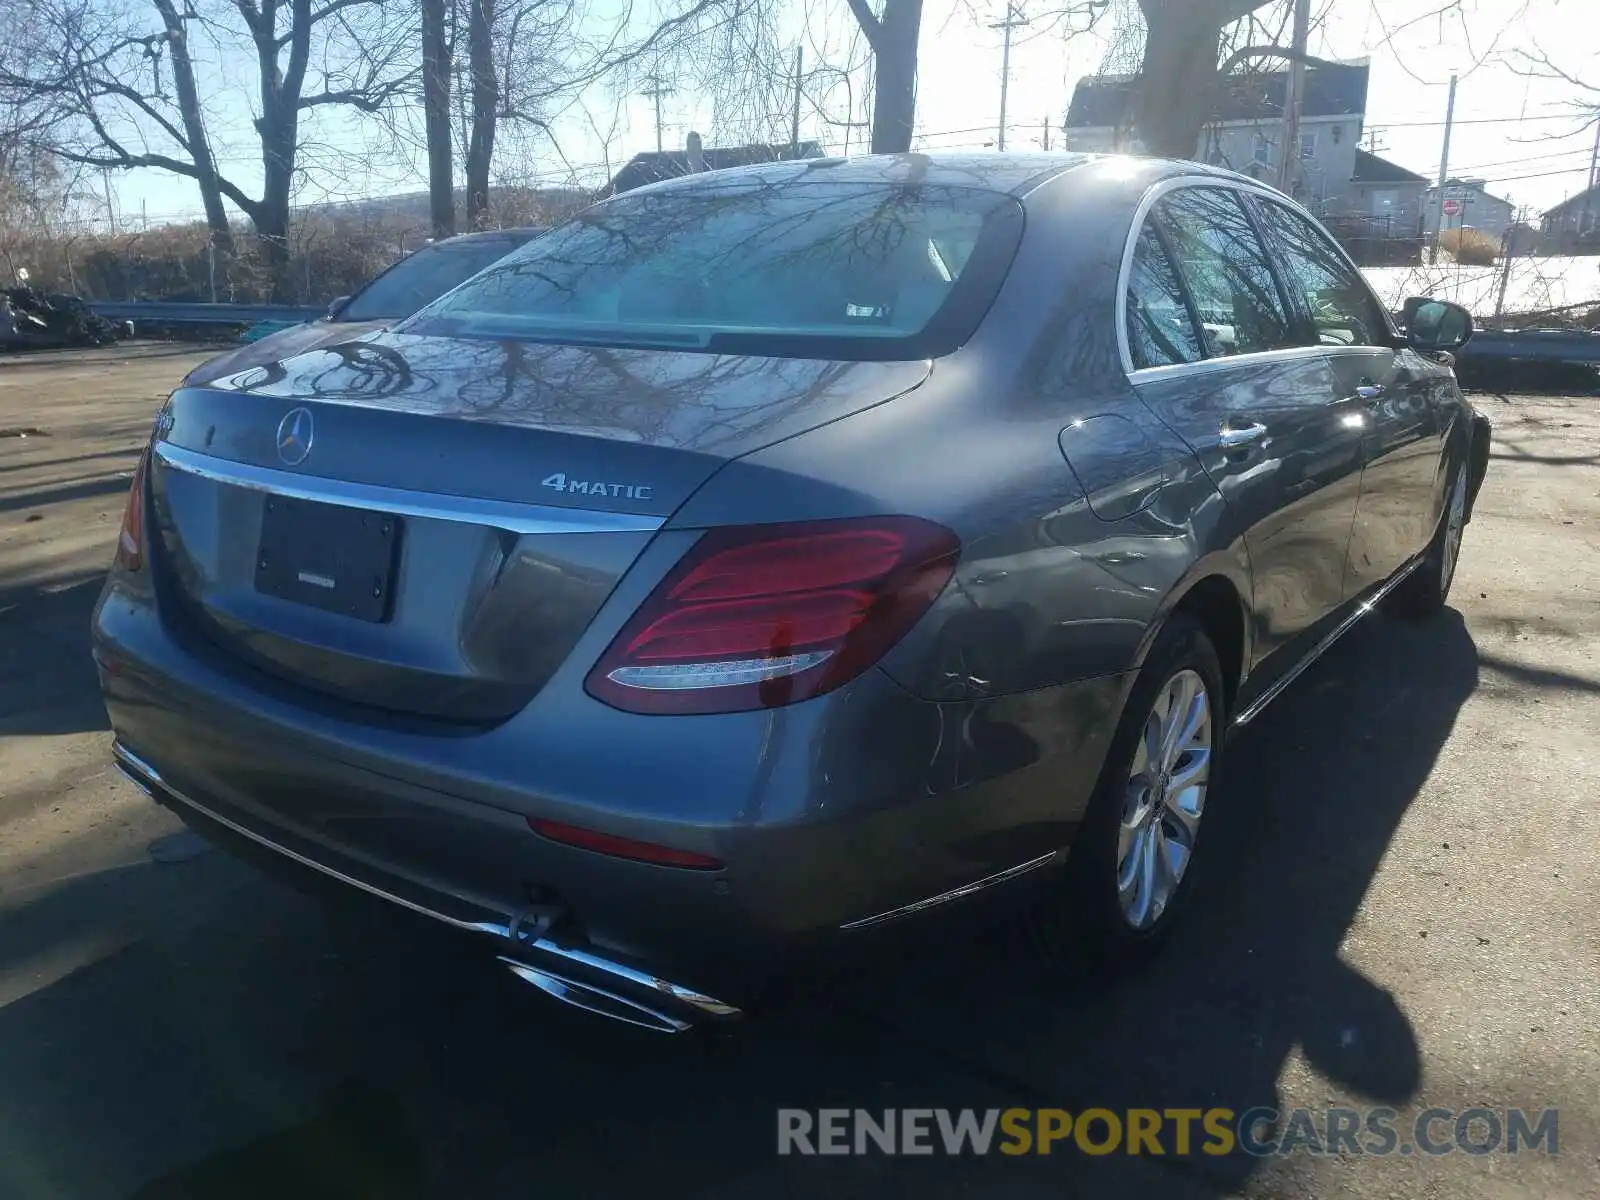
(595, 487)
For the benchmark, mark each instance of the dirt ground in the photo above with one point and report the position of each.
(1403, 912)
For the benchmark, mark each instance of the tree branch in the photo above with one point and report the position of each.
(326, 11)
(1284, 52)
(1537, 64)
(294, 77)
(367, 100)
(870, 24)
(252, 15)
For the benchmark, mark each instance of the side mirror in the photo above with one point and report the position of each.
(337, 306)
(1435, 325)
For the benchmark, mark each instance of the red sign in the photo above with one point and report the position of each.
(1452, 207)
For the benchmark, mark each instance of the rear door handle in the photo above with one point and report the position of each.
(1236, 437)
(1371, 391)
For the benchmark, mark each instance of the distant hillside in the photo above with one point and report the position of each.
(507, 206)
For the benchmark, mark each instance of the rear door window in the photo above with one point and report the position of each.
(1228, 273)
(1340, 305)
(1161, 330)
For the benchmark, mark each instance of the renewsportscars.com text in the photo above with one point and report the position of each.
(1261, 1132)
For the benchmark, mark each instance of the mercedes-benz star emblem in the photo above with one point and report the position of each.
(294, 436)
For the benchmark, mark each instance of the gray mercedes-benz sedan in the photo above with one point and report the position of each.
(770, 557)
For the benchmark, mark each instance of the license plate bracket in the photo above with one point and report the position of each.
(328, 556)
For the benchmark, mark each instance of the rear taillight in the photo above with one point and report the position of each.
(130, 542)
(763, 615)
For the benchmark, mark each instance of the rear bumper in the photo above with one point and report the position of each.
(569, 972)
(827, 815)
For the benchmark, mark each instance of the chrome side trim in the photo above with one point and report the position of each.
(500, 514)
(1361, 610)
(1206, 366)
(150, 780)
(966, 889)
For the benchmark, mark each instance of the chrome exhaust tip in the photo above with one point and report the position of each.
(597, 1000)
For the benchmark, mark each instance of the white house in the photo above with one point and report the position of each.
(1247, 127)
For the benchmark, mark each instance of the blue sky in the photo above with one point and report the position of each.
(1522, 134)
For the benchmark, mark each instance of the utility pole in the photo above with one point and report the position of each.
(111, 205)
(1588, 192)
(1044, 135)
(655, 91)
(1294, 97)
(1014, 20)
(794, 114)
(1507, 248)
(1444, 165)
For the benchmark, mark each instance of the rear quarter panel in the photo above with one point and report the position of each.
(1048, 590)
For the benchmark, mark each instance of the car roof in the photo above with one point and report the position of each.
(478, 235)
(1010, 173)
(1014, 174)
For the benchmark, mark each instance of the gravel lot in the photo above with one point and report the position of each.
(1404, 913)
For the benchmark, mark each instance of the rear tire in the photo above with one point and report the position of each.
(1133, 864)
(1425, 590)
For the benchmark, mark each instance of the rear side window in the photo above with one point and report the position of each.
(1226, 268)
(1342, 310)
(1160, 329)
(424, 277)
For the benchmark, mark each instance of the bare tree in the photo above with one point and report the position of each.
(893, 35)
(1183, 41)
(524, 58)
(104, 65)
(436, 117)
(742, 51)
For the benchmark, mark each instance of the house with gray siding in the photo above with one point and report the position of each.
(1387, 195)
(1573, 223)
(1246, 131)
(1475, 208)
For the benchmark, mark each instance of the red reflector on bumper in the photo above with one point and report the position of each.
(620, 847)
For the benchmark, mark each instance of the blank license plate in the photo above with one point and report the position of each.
(328, 556)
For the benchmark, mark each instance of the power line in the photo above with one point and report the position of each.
(1508, 162)
(1535, 175)
(1471, 121)
(954, 132)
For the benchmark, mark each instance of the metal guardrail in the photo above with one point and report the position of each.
(1574, 346)
(201, 314)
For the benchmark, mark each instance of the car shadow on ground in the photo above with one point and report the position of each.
(41, 499)
(47, 678)
(255, 1045)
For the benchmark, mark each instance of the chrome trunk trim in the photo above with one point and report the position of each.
(499, 514)
(642, 985)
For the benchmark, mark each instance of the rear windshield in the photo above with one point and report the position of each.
(795, 269)
(425, 276)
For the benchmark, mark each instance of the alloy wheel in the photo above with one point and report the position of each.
(1165, 799)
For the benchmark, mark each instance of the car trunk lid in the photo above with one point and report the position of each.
(428, 526)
